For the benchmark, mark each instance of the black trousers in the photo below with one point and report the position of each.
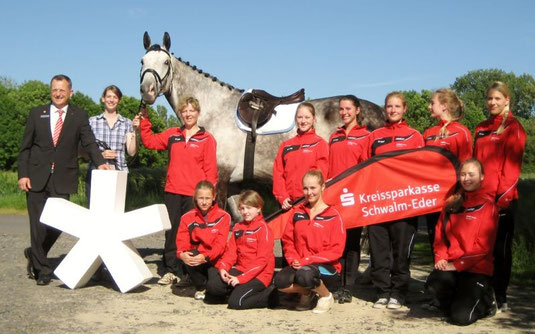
(198, 275)
(42, 236)
(308, 279)
(396, 238)
(351, 257)
(503, 252)
(176, 205)
(252, 294)
(465, 297)
(431, 221)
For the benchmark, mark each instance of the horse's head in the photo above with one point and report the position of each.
(156, 69)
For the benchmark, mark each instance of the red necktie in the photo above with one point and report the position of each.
(57, 129)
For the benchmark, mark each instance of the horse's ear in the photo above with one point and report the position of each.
(146, 40)
(166, 41)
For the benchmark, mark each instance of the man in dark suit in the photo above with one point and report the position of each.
(48, 166)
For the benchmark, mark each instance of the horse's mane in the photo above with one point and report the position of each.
(208, 75)
(157, 47)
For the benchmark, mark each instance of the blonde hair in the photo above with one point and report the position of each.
(502, 88)
(251, 198)
(454, 203)
(310, 107)
(454, 105)
(189, 100)
(314, 173)
(399, 95)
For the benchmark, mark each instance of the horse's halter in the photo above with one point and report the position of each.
(153, 72)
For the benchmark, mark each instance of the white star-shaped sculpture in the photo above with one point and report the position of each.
(104, 231)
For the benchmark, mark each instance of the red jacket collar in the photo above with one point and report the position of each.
(355, 128)
(199, 214)
(396, 125)
(201, 131)
(479, 193)
(255, 221)
(304, 207)
(499, 118)
(310, 132)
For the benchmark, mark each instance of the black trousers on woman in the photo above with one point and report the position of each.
(463, 296)
(252, 294)
(431, 220)
(391, 279)
(176, 205)
(503, 252)
(351, 257)
(308, 277)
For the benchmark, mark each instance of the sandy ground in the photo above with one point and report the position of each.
(101, 308)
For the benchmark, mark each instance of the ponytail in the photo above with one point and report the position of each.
(455, 107)
(502, 124)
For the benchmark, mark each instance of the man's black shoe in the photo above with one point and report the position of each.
(30, 270)
(44, 279)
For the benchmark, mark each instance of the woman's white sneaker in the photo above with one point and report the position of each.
(324, 304)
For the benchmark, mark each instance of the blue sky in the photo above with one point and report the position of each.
(366, 48)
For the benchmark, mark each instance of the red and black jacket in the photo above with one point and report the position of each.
(297, 156)
(189, 161)
(318, 240)
(346, 150)
(501, 156)
(250, 250)
(207, 234)
(467, 238)
(393, 137)
(458, 140)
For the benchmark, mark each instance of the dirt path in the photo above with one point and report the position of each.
(28, 308)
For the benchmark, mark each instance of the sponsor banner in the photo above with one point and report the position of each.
(388, 187)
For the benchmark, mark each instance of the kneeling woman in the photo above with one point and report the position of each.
(202, 236)
(246, 267)
(313, 242)
(464, 239)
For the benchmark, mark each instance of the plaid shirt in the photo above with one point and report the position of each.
(115, 137)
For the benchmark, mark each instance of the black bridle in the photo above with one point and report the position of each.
(159, 79)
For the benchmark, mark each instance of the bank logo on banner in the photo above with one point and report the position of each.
(388, 187)
(347, 199)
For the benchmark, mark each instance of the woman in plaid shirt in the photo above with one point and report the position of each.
(114, 133)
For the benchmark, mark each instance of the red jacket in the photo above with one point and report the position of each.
(207, 234)
(458, 140)
(470, 233)
(501, 156)
(297, 156)
(393, 137)
(189, 162)
(346, 151)
(318, 240)
(250, 250)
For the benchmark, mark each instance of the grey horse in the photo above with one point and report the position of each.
(163, 74)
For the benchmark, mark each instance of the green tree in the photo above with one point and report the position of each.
(472, 88)
(417, 115)
(86, 103)
(528, 161)
(11, 129)
(16, 102)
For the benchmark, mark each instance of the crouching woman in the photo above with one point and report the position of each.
(246, 268)
(313, 242)
(202, 236)
(461, 282)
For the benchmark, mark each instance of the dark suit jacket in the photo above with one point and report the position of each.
(37, 151)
